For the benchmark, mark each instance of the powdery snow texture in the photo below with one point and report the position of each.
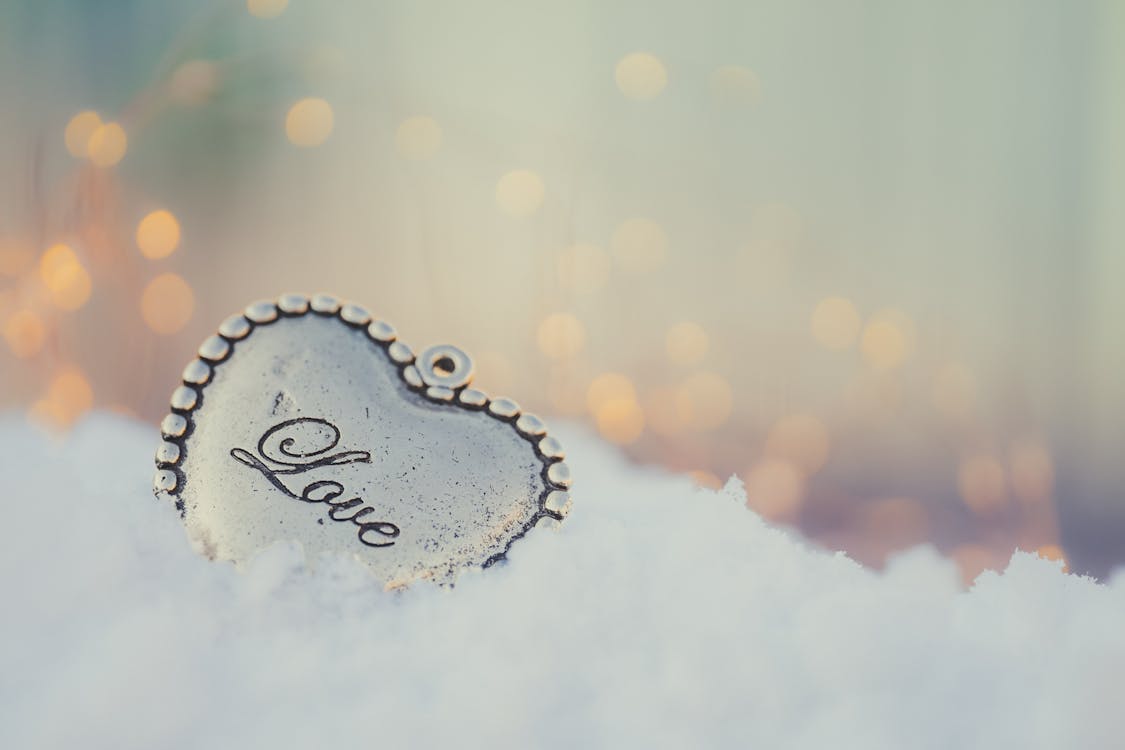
(660, 615)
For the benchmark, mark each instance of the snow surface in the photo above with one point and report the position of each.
(660, 615)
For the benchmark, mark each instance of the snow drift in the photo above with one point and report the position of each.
(660, 615)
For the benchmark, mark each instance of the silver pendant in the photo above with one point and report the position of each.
(308, 420)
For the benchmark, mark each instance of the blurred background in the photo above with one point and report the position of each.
(869, 257)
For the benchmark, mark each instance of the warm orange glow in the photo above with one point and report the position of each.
(158, 234)
(609, 386)
(266, 8)
(974, 559)
(583, 269)
(835, 323)
(15, 259)
(1032, 471)
(24, 332)
(661, 412)
(561, 336)
(1054, 552)
(888, 339)
(686, 343)
(703, 401)
(706, 479)
(800, 439)
(46, 413)
(309, 122)
(167, 304)
(418, 137)
(78, 132)
(520, 192)
(982, 484)
(640, 76)
(639, 245)
(71, 394)
(620, 420)
(775, 489)
(65, 277)
(107, 145)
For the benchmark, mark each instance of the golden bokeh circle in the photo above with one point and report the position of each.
(620, 420)
(158, 234)
(24, 332)
(78, 132)
(520, 192)
(107, 145)
(640, 76)
(65, 277)
(309, 122)
(167, 304)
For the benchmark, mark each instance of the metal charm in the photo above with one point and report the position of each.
(306, 419)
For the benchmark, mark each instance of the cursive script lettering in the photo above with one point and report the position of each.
(303, 444)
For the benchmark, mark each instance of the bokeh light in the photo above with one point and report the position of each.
(620, 420)
(520, 192)
(715, 279)
(158, 234)
(1053, 552)
(78, 132)
(70, 393)
(561, 336)
(607, 387)
(888, 339)
(706, 479)
(65, 277)
(309, 122)
(640, 76)
(24, 333)
(107, 144)
(167, 304)
(775, 489)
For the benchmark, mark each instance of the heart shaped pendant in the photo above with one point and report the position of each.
(308, 420)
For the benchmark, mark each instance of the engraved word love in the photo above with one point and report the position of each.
(279, 455)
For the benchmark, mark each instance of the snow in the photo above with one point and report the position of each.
(659, 615)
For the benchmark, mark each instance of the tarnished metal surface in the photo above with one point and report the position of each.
(306, 420)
